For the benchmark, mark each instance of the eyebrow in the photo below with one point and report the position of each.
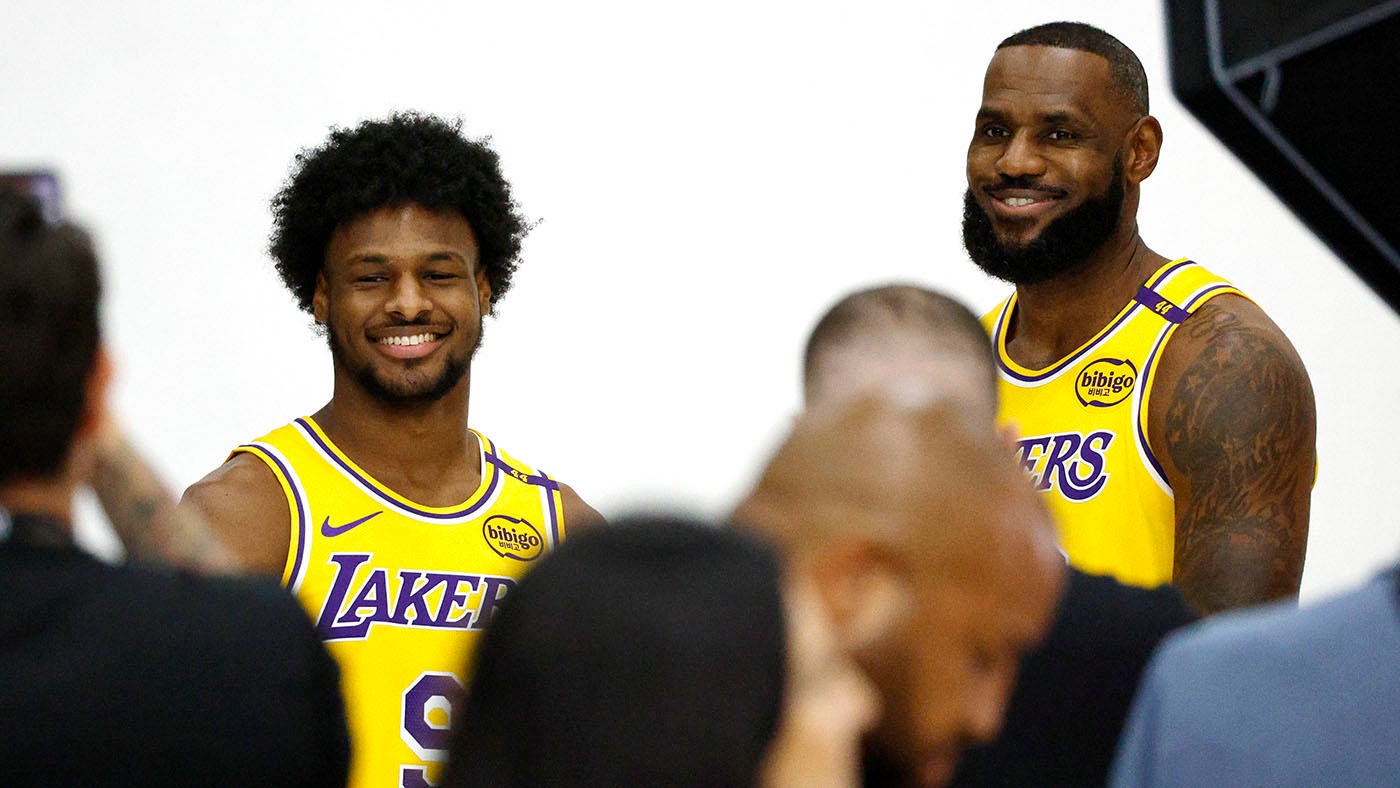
(1054, 117)
(987, 113)
(373, 259)
(377, 258)
(1060, 117)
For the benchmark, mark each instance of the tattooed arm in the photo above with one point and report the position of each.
(144, 514)
(1232, 421)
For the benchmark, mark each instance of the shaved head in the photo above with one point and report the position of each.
(933, 553)
(905, 342)
(917, 480)
(1129, 78)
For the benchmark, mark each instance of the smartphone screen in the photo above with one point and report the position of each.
(42, 185)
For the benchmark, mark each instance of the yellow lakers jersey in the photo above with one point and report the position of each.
(1083, 422)
(400, 592)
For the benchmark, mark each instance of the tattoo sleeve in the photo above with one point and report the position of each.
(147, 519)
(1240, 429)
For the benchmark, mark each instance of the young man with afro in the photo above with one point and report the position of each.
(398, 527)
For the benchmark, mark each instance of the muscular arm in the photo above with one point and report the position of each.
(244, 505)
(144, 514)
(578, 516)
(1233, 423)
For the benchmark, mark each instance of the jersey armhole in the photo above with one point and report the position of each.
(1149, 375)
(299, 540)
(552, 496)
(551, 492)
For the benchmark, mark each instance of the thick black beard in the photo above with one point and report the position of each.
(1063, 246)
(452, 373)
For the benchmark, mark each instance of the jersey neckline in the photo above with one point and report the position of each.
(338, 459)
(1019, 372)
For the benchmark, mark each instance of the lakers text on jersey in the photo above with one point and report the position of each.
(399, 591)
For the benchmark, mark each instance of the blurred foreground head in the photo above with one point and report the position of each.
(933, 556)
(49, 352)
(902, 342)
(658, 652)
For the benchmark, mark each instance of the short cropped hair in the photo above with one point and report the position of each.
(945, 322)
(409, 158)
(651, 652)
(1128, 74)
(49, 293)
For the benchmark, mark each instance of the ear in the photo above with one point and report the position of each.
(483, 290)
(1143, 148)
(320, 299)
(867, 592)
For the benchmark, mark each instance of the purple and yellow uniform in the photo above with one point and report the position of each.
(399, 591)
(1083, 421)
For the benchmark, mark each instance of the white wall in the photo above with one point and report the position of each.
(710, 176)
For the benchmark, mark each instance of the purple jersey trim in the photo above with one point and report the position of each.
(303, 533)
(1133, 306)
(1067, 360)
(552, 487)
(1158, 304)
(1151, 360)
(374, 487)
(488, 450)
(1166, 272)
(540, 480)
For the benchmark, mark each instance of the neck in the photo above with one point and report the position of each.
(51, 497)
(1055, 317)
(420, 429)
(423, 451)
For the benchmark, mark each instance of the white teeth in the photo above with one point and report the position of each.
(417, 339)
(1017, 202)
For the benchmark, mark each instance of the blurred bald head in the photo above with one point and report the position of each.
(933, 554)
(912, 478)
(906, 342)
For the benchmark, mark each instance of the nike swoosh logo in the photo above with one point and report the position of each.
(336, 530)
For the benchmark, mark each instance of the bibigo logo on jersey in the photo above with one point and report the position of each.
(509, 537)
(1105, 382)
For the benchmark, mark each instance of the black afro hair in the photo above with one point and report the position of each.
(409, 158)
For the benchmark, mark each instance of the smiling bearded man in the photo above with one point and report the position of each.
(398, 528)
(1167, 420)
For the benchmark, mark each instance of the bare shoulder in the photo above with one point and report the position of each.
(243, 503)
(1228, 361)
(1233, 422)
(578, 515)
(1227, 325)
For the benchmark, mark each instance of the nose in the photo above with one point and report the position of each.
(1021, 157)
(407, 300)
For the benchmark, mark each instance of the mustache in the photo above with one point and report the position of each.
(1025, 182)
(423, 322)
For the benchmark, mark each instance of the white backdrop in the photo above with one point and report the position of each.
(710, 177)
